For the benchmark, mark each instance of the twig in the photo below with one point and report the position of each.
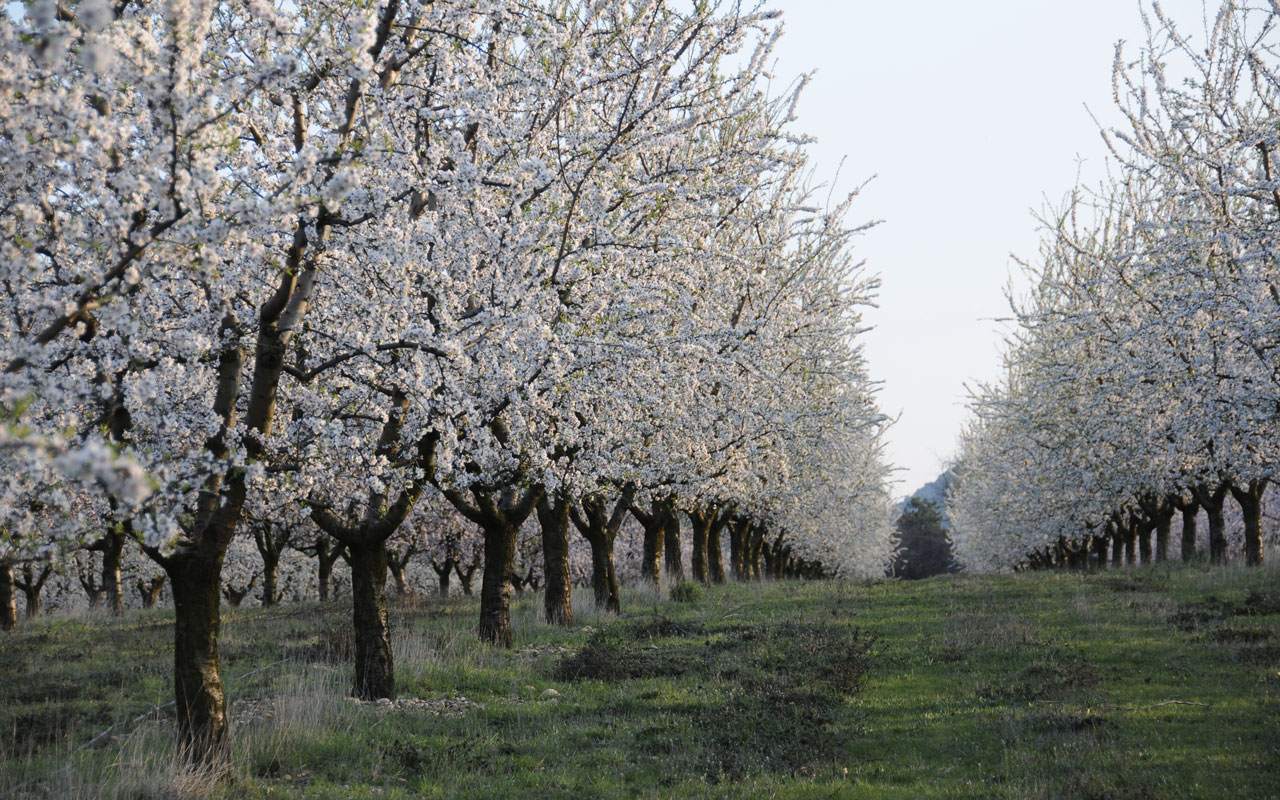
(1157, 705)
(1106, 707)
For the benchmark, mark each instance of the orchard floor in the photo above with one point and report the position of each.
(1152, 683)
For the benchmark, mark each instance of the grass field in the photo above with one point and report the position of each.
(1156, 683)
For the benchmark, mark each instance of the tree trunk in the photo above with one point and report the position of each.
(325, 559)
(1144, 542)
(465, 577)
(495, 587)
(32, 584)
(701, 523)
(1190, 514)
(1117, 546)
(553, 517)
(654, 523)
(1211, 500)
(737, 556)
(604, 580)
(112, 557)
(1130, 542)
(397, 569)
(203, 730)
(715, 558)
(1250, 499)
(1164, 524)
(1100, 550)
(270, 579)
(443, 575)
(8, 602)
(31, 592)
(149, 592)
(671, 544)
(375, 670)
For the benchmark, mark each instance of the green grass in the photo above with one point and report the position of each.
(1159, 683)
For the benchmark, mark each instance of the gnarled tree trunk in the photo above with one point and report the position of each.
(599, 526)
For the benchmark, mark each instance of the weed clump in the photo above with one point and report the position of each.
(686, 592)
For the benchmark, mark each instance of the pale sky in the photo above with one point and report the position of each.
(971, 115)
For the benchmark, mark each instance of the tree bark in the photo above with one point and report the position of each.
(1249, 497)
(375, 670)
(1130, 543)
(553, 517)
(1145, 529)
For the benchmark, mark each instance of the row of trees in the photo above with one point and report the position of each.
(350, 265)
(1142, 381)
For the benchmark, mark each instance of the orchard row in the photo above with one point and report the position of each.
(357, 268)
(1142, 380)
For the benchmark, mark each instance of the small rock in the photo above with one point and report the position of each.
(550, 693)
(384, 701)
